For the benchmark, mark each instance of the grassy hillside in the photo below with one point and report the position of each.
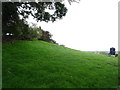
(38, 64)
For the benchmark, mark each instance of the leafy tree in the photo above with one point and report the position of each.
(46, 36)
(31, 33)
(11, 22)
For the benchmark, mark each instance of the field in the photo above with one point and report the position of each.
(38, 64)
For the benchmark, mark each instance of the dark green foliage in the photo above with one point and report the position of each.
(9, 18)
(12, 24)
(116, 55)
(46, 36)
(31, 33)
(41, 14)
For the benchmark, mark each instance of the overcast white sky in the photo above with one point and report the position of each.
(91, 25)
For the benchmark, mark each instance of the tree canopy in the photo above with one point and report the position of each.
(11, 12)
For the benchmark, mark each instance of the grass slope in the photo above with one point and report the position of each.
(38, 64)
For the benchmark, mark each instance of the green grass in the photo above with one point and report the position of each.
(38, 64)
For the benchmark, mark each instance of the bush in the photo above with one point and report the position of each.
(103, 53)
(31, 33)
(35, 33)
(46, 36)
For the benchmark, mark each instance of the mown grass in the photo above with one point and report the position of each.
(38, 64)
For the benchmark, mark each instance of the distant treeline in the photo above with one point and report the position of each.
(103, 52)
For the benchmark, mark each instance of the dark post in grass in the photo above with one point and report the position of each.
(112, 51)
